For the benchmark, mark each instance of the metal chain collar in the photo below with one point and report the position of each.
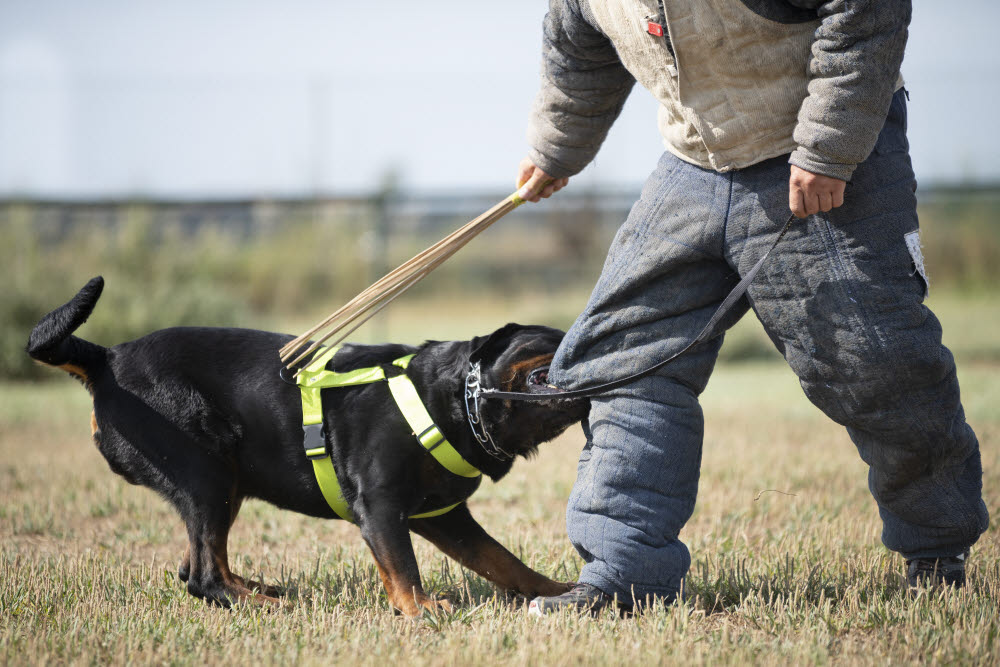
(473, 391)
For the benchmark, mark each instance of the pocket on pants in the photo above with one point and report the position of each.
(912, 240)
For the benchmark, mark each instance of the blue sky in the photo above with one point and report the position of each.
(185, 98)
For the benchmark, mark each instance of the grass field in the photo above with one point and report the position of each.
(788, 566)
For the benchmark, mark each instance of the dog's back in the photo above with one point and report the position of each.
(192, 406)
(175, 404)
(169, 370)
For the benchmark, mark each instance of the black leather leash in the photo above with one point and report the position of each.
(735, 295)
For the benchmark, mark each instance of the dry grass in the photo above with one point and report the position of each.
(87, 563)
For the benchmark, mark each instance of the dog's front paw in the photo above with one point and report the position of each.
(433, 605)
(416, 606)
(551, 588)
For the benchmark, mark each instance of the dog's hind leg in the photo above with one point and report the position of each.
(184, 569)
(387, 535)
(460, 536)
(256, 586)
(208, 574)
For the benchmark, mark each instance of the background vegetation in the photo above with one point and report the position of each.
(293, 263)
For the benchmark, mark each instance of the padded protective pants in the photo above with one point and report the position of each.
(842, 299)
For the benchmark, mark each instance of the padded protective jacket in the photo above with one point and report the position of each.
(738, 81)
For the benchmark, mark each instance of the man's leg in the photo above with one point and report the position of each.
(842, 297)
(638, 474)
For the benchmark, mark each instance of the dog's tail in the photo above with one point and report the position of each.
(51, 341)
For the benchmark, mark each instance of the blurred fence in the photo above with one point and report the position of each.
(331, 246)
(254, 262)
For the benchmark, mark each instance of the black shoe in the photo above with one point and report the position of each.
(937, 571)
(581, 598)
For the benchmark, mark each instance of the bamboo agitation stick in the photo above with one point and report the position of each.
(366, 305)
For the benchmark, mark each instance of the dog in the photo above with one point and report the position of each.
(202, 416)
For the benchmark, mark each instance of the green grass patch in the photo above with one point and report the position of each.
(788, 567)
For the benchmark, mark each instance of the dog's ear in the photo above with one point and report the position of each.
(495, 344)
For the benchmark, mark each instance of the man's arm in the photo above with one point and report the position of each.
(854, 67)
(584, 87)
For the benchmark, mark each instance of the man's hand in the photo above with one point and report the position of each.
(535, 184)
(810, 193)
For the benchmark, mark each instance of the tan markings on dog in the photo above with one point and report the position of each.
(465, 540)
(78, 373)
(236, 584)
(75, 370)
(390, 591)
(493, 561)
(260, 589)
(263, 592)
(93, 424)
(407, 598)
(509, 572)
(221, 560)
(518, 373)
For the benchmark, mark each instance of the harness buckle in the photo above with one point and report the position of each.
(439, 437)
(314, 441)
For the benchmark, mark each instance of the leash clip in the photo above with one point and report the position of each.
(287, 376)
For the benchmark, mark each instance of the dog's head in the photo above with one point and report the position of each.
(517, 358)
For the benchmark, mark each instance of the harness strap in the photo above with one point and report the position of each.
(424, 428)
(326, 477)
(314, 439)
(314, 378)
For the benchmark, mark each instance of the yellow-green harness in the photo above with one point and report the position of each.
(314, 378)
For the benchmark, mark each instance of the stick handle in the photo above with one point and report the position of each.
(396, 281)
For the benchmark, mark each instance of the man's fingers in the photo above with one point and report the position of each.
(532, 190)
(534, 184)
(810, 193)
(524, 171)
(554, 186)
(825, 200)
(796, 203)
(838, 197)
(812, 203)
(539, 185)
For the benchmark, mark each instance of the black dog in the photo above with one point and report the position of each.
(201, 416)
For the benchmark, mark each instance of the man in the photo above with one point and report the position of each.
(767, 106)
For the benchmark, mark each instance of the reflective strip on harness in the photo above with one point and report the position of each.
(314, 378)
(427, 433)
(326, 477)
(323, 379)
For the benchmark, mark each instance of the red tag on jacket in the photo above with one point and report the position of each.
(655, 29)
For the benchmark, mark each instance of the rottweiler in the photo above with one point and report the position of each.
(202, 416)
